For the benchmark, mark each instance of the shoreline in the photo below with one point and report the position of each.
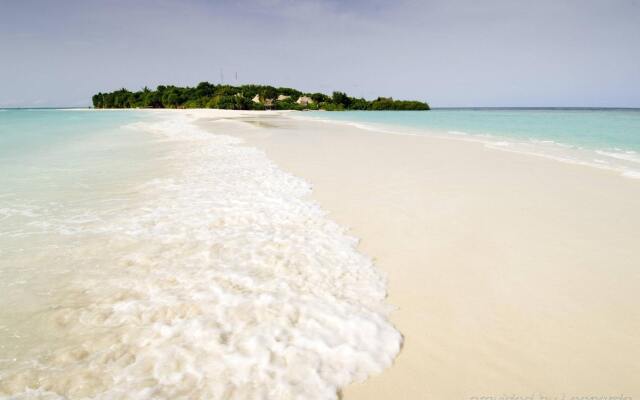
(548, 149)
(491, 268)
(623, 162)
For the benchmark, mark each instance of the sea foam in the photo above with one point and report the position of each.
(225, 281)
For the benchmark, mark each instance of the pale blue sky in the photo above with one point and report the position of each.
(447, 52)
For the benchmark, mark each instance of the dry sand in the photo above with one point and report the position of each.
(511, 274)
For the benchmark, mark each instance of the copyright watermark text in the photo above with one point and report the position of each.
(542, 396)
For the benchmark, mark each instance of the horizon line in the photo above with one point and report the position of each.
(432, 108)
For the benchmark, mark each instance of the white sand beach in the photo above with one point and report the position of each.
(511, 275)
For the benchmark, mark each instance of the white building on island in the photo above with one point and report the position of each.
(304, 100)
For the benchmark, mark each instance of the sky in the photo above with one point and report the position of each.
(450, 53)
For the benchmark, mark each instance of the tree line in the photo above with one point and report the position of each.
(245, 97)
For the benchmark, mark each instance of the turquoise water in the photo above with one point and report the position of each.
(44, 152)
(59, 169)
(607, 138)
(24, 132)
(595, 129)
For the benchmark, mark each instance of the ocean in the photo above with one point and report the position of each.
(602, 138)
(142, 257)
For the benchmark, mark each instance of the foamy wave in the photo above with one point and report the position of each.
(632, 174)
(6, 212)
(621, 155)
(460, 133)
(228, 282)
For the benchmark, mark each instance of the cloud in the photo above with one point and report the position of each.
(457, 52)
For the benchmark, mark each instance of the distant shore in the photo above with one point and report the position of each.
(510, 273)
(246, 97)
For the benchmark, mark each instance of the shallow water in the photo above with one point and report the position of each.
(602, 138)
(59, 172)
(145, 258)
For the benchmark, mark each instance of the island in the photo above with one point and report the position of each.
(246, 97)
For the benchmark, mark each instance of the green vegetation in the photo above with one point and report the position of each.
(246, 97)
